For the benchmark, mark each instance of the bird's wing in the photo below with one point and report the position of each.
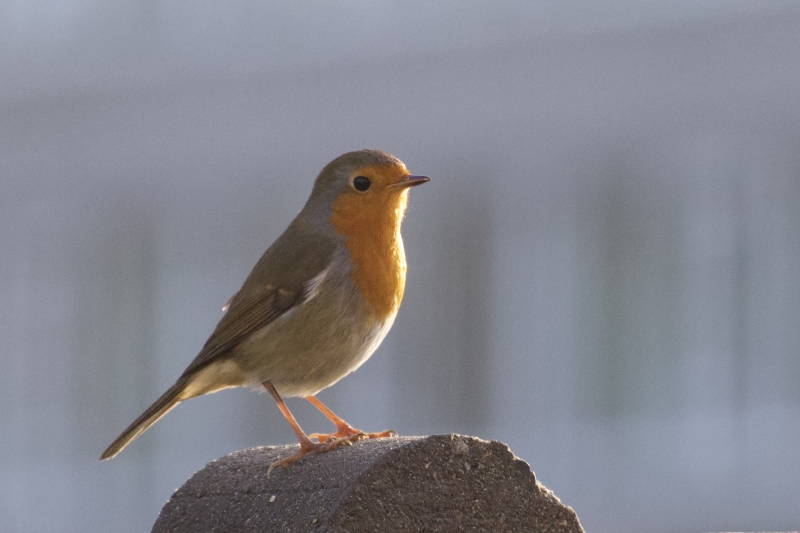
(289, 274)
(250, 310)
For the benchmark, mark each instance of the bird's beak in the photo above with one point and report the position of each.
(410, 181)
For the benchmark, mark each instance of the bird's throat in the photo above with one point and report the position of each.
(372, 236)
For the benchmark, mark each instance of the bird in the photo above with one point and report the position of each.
(316, 305)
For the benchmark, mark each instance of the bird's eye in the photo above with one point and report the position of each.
(361, 183)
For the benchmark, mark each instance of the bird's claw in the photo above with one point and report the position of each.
(352, 435)
(333, 437)
(306, 448)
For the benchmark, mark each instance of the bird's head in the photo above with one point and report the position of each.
(360, 190)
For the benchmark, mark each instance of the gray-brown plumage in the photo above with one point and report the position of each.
(318, 302)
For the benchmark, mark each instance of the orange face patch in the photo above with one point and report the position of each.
(370, 222)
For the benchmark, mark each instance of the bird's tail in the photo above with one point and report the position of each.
(153, 414)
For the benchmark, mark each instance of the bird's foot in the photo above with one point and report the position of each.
(351, 434)
(307, 447)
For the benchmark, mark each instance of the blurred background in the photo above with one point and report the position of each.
(604, 272)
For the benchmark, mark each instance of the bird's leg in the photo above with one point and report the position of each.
(306, 445)
(344, 431)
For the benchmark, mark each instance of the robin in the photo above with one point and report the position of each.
(316, 305)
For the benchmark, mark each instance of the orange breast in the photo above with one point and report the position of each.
(372, 236)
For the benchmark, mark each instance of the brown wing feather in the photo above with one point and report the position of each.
(277, 283)
(247, 313)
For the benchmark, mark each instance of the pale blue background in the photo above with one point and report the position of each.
(604, 272)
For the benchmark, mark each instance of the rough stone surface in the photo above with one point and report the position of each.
(438, 483)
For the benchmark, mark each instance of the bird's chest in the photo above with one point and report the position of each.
(378, 269)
